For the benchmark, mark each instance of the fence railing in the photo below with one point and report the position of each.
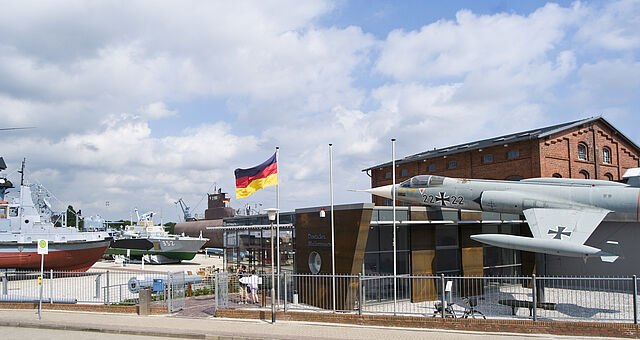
(611, 299)
(112, 287)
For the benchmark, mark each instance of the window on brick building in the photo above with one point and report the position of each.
(513, 154)
(608, 176)
(452, 165)
(584, 174)
(606, 155)
(556, 175)
(488, 158)
(387, 175)
(404, 172)
(582, 151)
(432, 167)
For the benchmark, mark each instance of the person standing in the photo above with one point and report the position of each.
(254, 280)
(242, 287)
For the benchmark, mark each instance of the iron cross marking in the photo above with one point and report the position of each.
(442, 198)
(560, 232)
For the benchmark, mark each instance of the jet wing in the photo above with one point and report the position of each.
(570, 225)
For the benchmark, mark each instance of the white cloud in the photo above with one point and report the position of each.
(121, 96)
(613, 27)
(156, 110)
(474, 43)
(123, 161)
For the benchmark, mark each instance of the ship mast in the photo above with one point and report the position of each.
(22, 172)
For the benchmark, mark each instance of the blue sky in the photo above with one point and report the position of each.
(142, 102)
(381, 17)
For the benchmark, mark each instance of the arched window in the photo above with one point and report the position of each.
(606, 155)
(556, 175)
(608, 176)
(584, 174)
(582, 151)
(432, 167)
(404, 172)
(452, 165)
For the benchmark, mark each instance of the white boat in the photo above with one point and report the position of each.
(153, 243)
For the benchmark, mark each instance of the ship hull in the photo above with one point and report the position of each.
(63, 256)
(176, 249)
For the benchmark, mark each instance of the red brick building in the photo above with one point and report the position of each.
(587, 148)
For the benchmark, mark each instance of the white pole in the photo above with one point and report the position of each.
(40, 283)
(333, 243)
(393, 190)
(278, 220)
(273, 280)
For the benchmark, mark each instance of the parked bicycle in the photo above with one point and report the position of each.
(448, 310)
(471, 311)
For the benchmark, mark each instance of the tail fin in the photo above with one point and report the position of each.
(611, 251)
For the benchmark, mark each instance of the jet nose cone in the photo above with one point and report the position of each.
(383, 191)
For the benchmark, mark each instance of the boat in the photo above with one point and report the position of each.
(151, 243)
(23, 222)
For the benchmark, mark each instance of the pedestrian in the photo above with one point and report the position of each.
(253, 285)
(241, 286)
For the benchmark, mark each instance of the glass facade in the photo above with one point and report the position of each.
(378, 255)
(501, 261)
(447, 250)
(247, 241)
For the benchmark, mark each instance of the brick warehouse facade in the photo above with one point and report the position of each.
(587, 148)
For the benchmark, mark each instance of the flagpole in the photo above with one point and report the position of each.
(393, 190)
(278, 221)
(333, 243)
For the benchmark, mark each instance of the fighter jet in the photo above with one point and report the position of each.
(561, 213)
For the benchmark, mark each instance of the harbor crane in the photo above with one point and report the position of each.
(185, 210)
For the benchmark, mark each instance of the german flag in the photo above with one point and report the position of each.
(250, 180)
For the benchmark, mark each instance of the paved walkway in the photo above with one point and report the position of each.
(77, 323)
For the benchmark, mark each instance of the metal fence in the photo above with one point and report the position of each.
(93, 287)
(611, 299)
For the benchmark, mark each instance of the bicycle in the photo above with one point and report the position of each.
(448, 311)
(472, 311)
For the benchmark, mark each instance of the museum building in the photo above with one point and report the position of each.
(587, 148)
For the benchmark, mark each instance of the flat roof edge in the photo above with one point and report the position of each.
(351, 206)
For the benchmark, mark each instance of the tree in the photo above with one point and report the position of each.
(169, 226)
(71, 216)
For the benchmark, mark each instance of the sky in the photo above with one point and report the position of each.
(139, 103)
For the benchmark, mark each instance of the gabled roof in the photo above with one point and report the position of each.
(500, 140)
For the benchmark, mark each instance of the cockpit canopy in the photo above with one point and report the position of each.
(423, 181)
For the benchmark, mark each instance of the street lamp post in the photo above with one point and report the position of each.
(271, 212)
